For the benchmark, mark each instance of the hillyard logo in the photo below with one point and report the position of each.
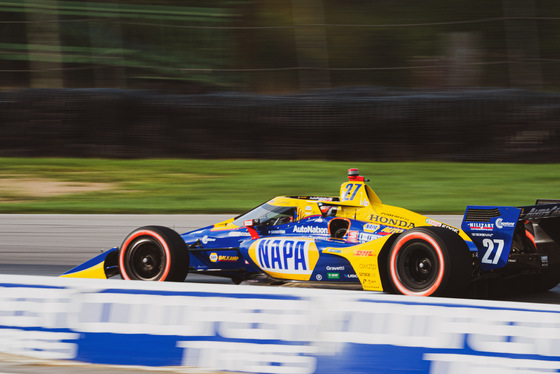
(285, 258)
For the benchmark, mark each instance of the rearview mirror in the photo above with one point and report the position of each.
(252, 222)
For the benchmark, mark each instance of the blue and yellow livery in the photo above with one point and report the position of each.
(352, 240)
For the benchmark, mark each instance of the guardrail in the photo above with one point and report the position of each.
(272, 330)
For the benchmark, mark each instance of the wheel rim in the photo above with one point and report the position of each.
(146, 259)
(417, 266)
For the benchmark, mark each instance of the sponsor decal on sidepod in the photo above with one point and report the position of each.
(432, 222)
(392, 222)
(285, 257)
(370, 227)
(311, 230)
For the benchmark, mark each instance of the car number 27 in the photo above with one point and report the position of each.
(490, 245)
(350, 191)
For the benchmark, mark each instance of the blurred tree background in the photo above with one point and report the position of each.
(279, 46)
(461, 80)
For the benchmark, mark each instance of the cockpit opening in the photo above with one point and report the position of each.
(268, 215)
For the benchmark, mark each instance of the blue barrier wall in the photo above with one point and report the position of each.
(272, 330)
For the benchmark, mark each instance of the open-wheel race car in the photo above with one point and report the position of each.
(349, 241)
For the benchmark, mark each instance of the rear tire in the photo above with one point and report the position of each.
(429, 261)
(154, 253)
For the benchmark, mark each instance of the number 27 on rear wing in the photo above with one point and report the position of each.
(515, 237)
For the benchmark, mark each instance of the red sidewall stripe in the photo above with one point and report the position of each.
(145, 233)
(393, 264)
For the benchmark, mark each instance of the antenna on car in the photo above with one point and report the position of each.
(354, 175)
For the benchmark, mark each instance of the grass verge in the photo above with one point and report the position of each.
(50, 185)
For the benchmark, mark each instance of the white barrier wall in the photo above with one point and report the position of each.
(272, 330)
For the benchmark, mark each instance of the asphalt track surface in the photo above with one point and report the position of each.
(51, 244)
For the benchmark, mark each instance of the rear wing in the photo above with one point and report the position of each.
(544, 217)
(493, 229)
(542, 209)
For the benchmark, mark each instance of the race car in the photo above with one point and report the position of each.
(349, 241)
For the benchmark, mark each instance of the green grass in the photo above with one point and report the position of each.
(219, 186)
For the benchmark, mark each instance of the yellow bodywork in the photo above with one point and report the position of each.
(94, 272)
(299, 265)
(358, 202)
(363, 258)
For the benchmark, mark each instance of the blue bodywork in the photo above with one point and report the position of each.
(226, 251)
(492, 236)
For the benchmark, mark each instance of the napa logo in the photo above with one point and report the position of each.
(285, 258)
(370, 227)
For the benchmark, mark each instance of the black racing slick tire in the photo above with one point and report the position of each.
(154, 253)
(429, 261)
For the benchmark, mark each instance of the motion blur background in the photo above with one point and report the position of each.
(466, 80)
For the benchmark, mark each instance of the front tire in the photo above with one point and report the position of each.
(429, 261)
(154, 253)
